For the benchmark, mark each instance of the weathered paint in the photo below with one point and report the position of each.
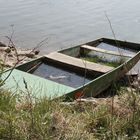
(77, 62)
(73, 51)
(93, 88)
(101, 83)
(38, 86)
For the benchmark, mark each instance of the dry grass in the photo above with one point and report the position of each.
(22, 117)
(46, 119)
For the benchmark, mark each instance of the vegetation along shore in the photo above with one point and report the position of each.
(10, 55)
(111, 117)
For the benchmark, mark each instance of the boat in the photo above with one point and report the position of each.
(81, 71)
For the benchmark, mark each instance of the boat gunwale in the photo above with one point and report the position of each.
(102, 76)
(105, 40)
(121, 65)
(99, 77)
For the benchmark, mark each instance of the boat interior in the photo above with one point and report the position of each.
(105, 49)
(68, 75)
(79, 65)
(70, 70)
(106, 52)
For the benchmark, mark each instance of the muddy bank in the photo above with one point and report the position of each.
(10, 55)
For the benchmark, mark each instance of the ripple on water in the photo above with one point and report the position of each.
(68, 21)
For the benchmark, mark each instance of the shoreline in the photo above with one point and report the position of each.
(11, 55)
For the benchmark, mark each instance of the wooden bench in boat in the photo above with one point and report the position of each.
(59, 57)
(105, 51)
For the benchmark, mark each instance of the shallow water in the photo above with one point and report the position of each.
(68, 22)
(116, 49)
(60, 76)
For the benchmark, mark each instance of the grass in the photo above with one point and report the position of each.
(45, 119)
(113, 118)
(97, 59)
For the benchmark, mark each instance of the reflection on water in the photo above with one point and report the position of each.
(68, 22)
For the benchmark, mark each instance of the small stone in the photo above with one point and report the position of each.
(129, 89)
(136, 84)
(139, 79)
(36, 52)
(8, 50)
(2, 44)
(10, 55)
(30, 55)
(11, 47)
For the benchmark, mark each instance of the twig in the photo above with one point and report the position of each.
(112, 99)
(30, 109)
(40, 44)
(110, 24)
(34, 67)
(19, 60)
(13, 45)
(11, 70)
(85, 72)
(12, 33)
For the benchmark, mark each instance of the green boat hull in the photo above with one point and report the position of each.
(41, 87)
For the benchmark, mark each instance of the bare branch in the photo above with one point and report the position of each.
(114, 35)
(40, 44)
(11, 44)
(14, 47)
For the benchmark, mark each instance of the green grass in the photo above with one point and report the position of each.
(43, 119)
(101, 61)
(25, 118)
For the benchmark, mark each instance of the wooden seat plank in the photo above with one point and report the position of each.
(105, 51)
(78, 62)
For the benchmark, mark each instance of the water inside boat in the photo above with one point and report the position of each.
(104, 58)
(121, 50)
(108, 60)
(59, 75)
(102, 53)
(106, 54)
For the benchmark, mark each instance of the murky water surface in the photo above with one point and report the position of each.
(68, 22)
(61, 76)
(116, 49)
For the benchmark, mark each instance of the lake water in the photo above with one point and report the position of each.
(68, 22)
